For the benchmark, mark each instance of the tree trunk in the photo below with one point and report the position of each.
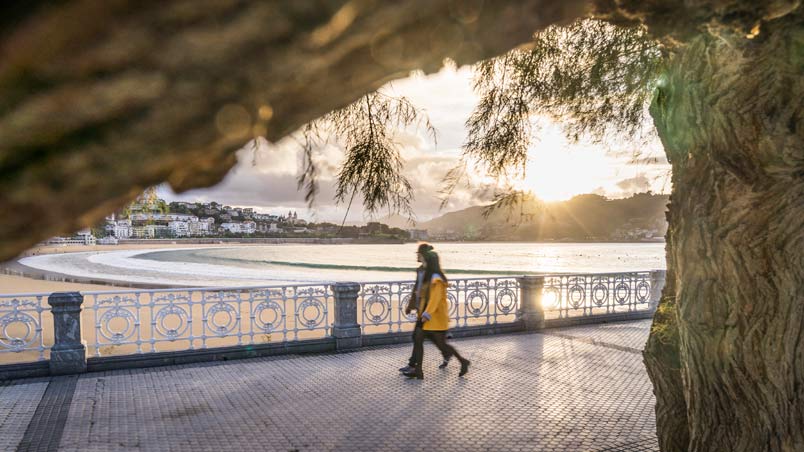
(663, 363)
(730, 113)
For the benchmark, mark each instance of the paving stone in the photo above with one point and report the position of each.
(18, 402)
(571, 389)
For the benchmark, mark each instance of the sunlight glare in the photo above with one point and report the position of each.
(556, 171)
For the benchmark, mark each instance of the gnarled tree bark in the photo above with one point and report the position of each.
(730, 114)
(99, 100)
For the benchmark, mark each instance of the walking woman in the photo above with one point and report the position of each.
(434, 310)
(413, 303)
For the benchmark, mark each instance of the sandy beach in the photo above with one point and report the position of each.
(12, 284)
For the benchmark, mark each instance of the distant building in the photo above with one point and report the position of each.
(246, 227)
(149, 231)
(418, 234)
(179, 228)
(85, 236)
(122, 230)
(108, 240)
(204, 226)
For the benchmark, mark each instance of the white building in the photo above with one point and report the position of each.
(179, 228)
(149, 231)
(418, 234)
(204, 226)
(162, 217)
(108, 240)
(85, 236)
(121, 229)
(246, 227)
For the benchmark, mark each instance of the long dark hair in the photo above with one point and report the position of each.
(422, 250)
(433, 267)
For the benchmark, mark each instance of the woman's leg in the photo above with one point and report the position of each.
(439, 338)
(418, 353)
(417, 330)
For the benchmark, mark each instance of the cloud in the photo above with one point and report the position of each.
(637, 184)
(265, 176)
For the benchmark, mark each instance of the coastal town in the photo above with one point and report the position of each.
(583, 218)
(150, 218)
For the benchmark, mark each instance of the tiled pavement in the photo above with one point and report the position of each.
(569, 389)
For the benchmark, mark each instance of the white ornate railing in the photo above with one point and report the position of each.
(156, 320)
(587, 295)
(475, 301)
(21, 324)
(143, 321)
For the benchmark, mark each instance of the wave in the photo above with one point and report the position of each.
(391, 269)
(353, 267)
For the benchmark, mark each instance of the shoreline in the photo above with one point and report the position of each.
(16, 277)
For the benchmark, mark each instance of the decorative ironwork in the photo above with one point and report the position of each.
(10, 338)
(305, 307)
(377, 306)
(237, 315)
(506, 301)
(21, 324)
(277, 318)
(172, 311)
(590, 295)
(118, 335)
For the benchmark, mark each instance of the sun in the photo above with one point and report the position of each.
(558, 174)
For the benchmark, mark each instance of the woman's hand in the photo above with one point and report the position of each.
(426, 317)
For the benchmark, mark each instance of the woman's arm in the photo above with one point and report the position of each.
(438, 298)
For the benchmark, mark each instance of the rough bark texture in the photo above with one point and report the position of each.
(99, 100)
(663, 364)
(731, 117)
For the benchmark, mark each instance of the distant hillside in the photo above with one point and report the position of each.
(584, 217)
(397, 221)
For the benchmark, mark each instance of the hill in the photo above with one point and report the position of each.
(582, 218)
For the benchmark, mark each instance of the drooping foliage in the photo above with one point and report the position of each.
(373, 166)
(593, 78)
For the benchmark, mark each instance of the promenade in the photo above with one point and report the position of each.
(580, 388)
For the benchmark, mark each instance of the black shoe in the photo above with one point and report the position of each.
(414, 375)
(444, 364)
(464, 367)
(407, 368)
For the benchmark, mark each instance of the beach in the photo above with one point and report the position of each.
(13, 284)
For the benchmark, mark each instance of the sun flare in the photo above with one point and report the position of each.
(558, 174)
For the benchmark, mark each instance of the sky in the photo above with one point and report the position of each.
(265, 175)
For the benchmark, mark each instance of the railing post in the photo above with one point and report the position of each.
(657, 278)
(68, 354)
(531, 311)
(346, 330)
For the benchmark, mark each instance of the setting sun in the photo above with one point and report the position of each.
(557, 170)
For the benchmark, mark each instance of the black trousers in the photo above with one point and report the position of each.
(439, 338)
(418, 335)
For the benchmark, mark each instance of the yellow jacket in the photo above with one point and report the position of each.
(437, 306)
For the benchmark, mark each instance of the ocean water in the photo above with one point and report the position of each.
(294, 263)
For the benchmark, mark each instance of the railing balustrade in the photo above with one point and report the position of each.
(156, 320)
(23, 319)
(144, 321)
(586, 295)
(475, 301)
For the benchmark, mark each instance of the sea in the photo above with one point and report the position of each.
(312, 263)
